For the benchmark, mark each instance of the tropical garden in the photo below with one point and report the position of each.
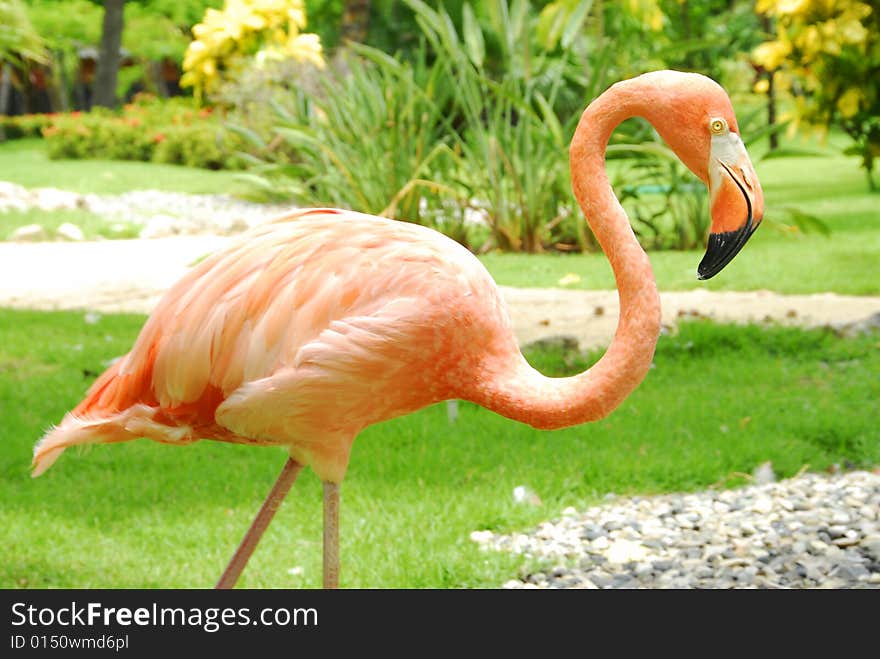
(457, 116)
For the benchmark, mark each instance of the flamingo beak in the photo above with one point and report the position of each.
(737, 203)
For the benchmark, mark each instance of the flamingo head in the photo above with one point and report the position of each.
(695, 117)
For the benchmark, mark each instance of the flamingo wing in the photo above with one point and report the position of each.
(302, 334)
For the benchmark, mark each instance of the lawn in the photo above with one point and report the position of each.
(25, 162)
(720, 401)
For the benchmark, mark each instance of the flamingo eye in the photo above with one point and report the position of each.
(718, 126)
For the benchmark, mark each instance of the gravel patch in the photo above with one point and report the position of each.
(163, 214)
(811, 531)
(159, 214)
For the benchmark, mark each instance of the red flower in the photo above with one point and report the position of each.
(158, 138)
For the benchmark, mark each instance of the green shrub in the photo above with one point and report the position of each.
(514, 144)
(436, 139)
(207, 146)
(25, 125)
(258, 96)
(372, 135)
(98, 134)
(149, 129)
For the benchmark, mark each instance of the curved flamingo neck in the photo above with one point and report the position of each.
(526, 395)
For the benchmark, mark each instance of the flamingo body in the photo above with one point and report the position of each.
(307, 330)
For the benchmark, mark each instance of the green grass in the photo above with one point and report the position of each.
(93, 226)
(25, 162)
(721, 400)
(832, 188)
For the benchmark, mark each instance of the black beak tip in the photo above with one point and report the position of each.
(721, 249)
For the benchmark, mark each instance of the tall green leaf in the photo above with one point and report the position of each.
(473, 37)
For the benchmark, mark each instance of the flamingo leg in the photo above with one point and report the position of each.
(331, 535)
(260, 524)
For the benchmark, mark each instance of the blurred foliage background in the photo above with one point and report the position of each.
(455, 114)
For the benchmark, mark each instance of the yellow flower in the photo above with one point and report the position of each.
(268, 54)
(306, 48)
(188, 79)
(851, 31)
(274, 6)
(279, 35)
(246, 28)
(810, 41)
(194, 54)
(762, 86)
(297, 16)
(848, 103)
(771, 54)
(792, 7)
(648, 12)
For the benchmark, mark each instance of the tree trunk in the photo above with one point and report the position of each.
(771, 111)
(109, 56)
(868, 164)
(5, 88)
(157, 77)
(25, 88)
(771, 91)
(63, 86)
(690, 53)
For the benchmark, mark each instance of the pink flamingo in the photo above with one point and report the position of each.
(326, 321)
